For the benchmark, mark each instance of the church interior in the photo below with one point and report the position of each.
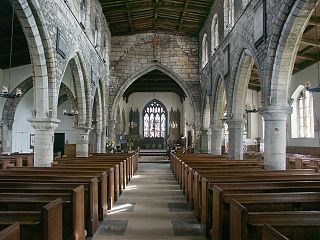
(163, 119)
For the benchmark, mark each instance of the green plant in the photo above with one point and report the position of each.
(110, 145)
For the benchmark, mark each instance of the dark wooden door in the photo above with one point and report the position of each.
(58, 145)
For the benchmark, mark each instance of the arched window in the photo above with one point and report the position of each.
(95, 33)
(83, 9)
(228, 15)
(214, 34)
(302, 120)
(154, 120)
(204, 50)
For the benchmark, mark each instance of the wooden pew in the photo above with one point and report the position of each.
(13, 198)
(258, 200)
(91, 203)
(295, 225)
(257, 177)
(269, 233)
(11, 233)
(37, 225)
(16, 160)
(101, 176)
(120, 171)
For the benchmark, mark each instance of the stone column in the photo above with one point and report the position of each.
(6, 139)
(44, 139)
(82, 145)
(275, 136)
(103, 140)
(111, 127)
(235, 138)
(204, 140)
(216, 139)
(98, 142)
(209, 133)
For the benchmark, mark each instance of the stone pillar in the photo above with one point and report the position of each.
(216, 139)
(209, 133)
(275, 136)
(82, 145)
(98, 142)
(111, 127)
(103, 141)
(235, 138)
(6, 139)
(44, 139)
(204, 140)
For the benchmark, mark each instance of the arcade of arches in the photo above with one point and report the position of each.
(217, 77)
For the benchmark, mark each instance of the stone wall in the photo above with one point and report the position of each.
(131, 55)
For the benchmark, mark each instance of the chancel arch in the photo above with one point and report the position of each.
(156, 81)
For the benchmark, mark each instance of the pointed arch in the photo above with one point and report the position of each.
(286, 51)
(220, 102)
(241, 84)
(206, 112)
(145, 70)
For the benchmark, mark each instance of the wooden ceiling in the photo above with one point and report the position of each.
(308, 52)
(154, 81)
(20, 52)
(181, 17)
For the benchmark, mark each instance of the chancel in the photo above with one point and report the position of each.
(159, 119)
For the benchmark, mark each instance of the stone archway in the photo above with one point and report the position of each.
(276, 97)
(236, 110)
(8, 114)
(218, 118)
(205, 129)
(83, 104)
(137, 75)
(41, 54)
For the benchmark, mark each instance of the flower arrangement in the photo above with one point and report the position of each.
(110, 146)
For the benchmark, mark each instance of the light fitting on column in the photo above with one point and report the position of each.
(71, 113)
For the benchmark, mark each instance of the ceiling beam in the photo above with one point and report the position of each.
(155, 11)
(309, 57)
(129, 15)
(183, 14)
(310, 41)
(314, 21)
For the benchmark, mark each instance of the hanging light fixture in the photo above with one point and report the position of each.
(71, 113)
(308, 84)
(5, 92)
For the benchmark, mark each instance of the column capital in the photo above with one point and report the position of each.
(44, 124)
(275, 113)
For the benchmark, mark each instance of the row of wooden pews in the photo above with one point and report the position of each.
(296, 161)
(85, 188)
(240, 200)
(17, 160)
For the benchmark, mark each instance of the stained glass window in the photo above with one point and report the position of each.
(154, 120)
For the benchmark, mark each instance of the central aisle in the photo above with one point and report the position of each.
(151, 207)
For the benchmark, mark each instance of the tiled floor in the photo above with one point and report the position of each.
(152, 207)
